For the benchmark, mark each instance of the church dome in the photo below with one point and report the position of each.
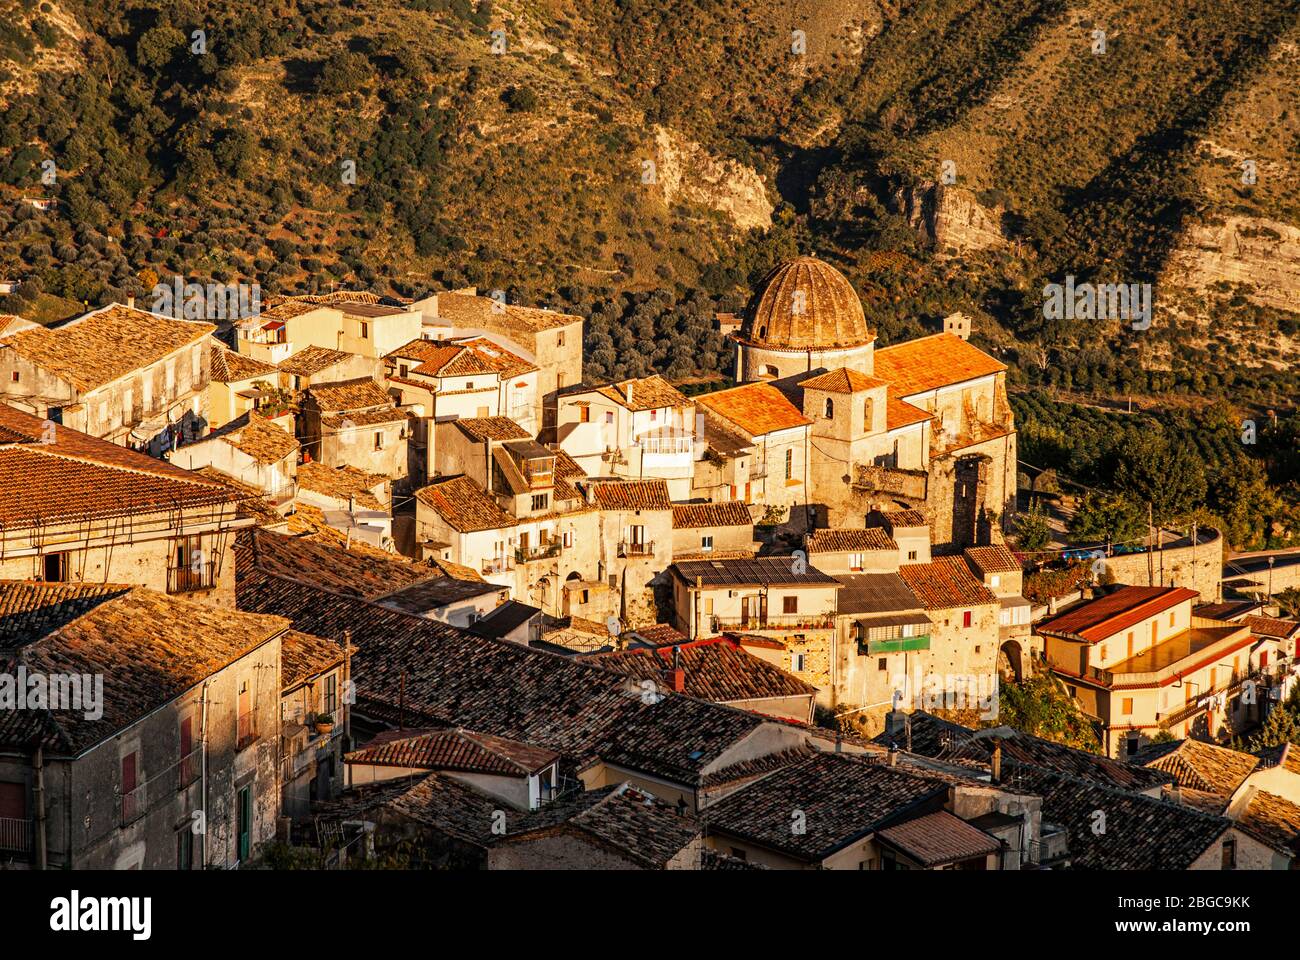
(806, 304)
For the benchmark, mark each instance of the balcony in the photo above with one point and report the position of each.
(187, 579)
(627, 549)
(542, 551)
(190, 767)
(898, 644)
(498, 565)
(133, 805)
(788, 621)
(16, 835)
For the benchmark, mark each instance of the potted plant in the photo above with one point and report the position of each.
(323, 722)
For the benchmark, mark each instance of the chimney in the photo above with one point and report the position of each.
(678, 674)
(130, 302)
(893, 756)
(895, 720)
(996, 766)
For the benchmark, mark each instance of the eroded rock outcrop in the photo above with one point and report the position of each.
(686, 171)
(951, 217)
(1263, 255)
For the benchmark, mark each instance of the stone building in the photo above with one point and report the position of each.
(324, 365)
(703, 530)
(346, 321)
(131, 377)
(469, 378)
(175, 767)
(355, 423)
(234, 387)
(77, 509)
(252, 449)
(313, 720)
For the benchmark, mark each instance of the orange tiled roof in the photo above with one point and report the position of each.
(231, 367)
(310, 360)
(945, 583)
(464, 505)
(303, 656)
(349, 394)
(455, 749)
(106, 344)
(757, 408)
(1098, 619)
(471, 310)
(491, 428)
(341, 482)
(842, 380)
(644, 393)
(633, 495)
(263, 440)
(66, 475)
(994, 559)
(900, 413)
(936, 361)
(843, 541)
(730, 513)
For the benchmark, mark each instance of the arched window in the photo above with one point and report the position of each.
(762, 332)
(868, 409)
(830, 409)
(789, 464)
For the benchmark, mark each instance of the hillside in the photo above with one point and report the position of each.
(643, 163)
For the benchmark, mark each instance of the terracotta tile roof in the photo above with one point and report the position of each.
(644, 393)
(900, 413)
(262, 439)
(1272, 819)
(470, 310)
(310, 360)
(941, 739)
(370, 418)
(719, 671)
(633, 823)
(730, 513)
(656, 634)
(457, 749)
(1200, 766)
(805, 303)
(435, 593)
(1142, 833)
(148, 647)
(349, 395)
(1106, 616)
(457, 571)
(258, 505)
(632, 495)
(303, 656)
(993, 559)
(938, 838)
(756, 408)
(464, 505)
(842, 541)
(345, 571)
(744, 771)
(760, 571)
(433, 674)
(31, 609)
(341, 482)
(106, 344)
(945, 583)
(433, 355)
(937, 361)
(491, 428)
(433, 802)
(900, 519)
(231, 367)
(1272, 627)
(843, 799)
(77, 476)
(842, 380)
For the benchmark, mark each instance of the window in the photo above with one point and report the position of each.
(609, 416)
(584, 596)
(789, 464)
(131, 801)
(830, 409)
(196, 367)
(567, 538)
(379, 439)
(1102, 655)
(365, 329)
(403, 369)
(868, 413)
(1126, 706)
(911, 554)
(245, 728)
(584, 414)
(14, 376)
(654, 415)
(995, 581)
(54, 567)
(706, 544)
(1171, 618)
(330, 697)
(1230, 854)
(796, 662)
(966, 618)
(882, 663)
(469, 385)
(185, 849)
(559, 339)
(855, 561)
(739, 854)
(245, 807)
(540, 500)
(789, 604)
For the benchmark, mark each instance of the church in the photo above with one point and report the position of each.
(922, 425)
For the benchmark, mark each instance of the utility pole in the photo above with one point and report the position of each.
(1150, 559)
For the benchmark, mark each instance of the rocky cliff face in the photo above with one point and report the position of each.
(1263, 255)
(686, 171)
(951, 217)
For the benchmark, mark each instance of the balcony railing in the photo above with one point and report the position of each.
(133, 805)
(498, 564)
(628, 549)
(15, 835)
(788, 621)
(247, 730)
(190, 767)
(541, 551)
(186, 579)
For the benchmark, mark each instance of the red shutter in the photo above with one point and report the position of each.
(187, 740)
(13, 801)
(128, 773)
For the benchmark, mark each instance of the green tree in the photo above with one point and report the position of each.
(1282, 725)
(1107, 518)
(343, 72)
(1168, 476)
(1032, 529)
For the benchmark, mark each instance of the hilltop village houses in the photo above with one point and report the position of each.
(360, 573)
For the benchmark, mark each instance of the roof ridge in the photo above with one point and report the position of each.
(75, 458)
